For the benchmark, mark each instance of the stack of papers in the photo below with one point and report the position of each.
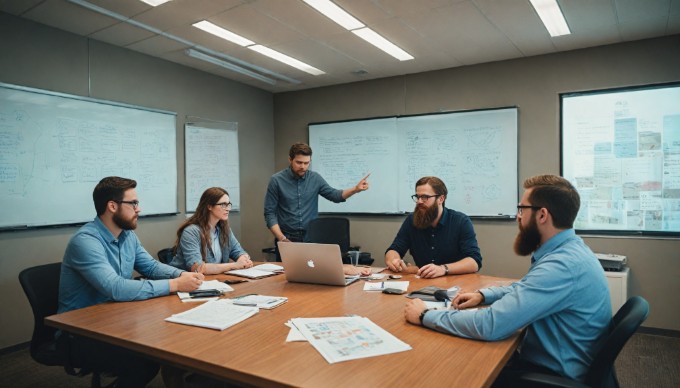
(258, 271)
(215, 314)
(379, 286)
(347, 338)
(206, 285)
(260, 301)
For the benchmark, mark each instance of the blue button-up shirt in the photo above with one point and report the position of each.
(97, 268)
(189, 250)
(453, 239)
(563, 300)
(293, 201)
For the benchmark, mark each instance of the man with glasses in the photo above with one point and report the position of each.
(292, 198)
(442, 241)
(563, 301)
(97, 268)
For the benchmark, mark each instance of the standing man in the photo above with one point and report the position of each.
(292, 198)
(97, 268)
(442, 241)
(563, 301)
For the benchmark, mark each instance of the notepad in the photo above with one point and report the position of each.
(206, 285)
(379, 286)
(260, 301)
(216, 314)
(251, 273)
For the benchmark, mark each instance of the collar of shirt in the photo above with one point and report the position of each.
(106, 233)
(552, 244)
(293, 175)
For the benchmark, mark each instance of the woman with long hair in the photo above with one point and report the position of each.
(205, 243)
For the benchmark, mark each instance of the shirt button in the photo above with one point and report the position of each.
(432, 247)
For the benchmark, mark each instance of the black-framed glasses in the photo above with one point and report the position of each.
(532, 207)
(424, 197)
(224, 205)
(134, 204)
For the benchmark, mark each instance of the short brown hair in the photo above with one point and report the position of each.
(437, 185)
(111, 188)
(557, 195)
(300, 149)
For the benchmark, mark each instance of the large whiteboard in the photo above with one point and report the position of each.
(473, 152)
(211, 158)
(54, 149)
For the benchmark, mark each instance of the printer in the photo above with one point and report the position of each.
(611, 262)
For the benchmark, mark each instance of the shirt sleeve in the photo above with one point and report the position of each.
(235, 249)
(328, 192)
(146, 265)
(87, 256)
(271, 203)
(468, 242)
(190, 246)
(402, 242)
(545, 290)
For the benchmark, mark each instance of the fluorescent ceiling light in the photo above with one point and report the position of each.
(335, 13)
(385, 45)
(222, 33)
(216, 61)
(286, 59)
(551, 16)
(155, 3)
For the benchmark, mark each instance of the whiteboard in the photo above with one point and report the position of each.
(211, 159)
(55, 148)
(473, 152)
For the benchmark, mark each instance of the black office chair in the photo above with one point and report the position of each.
(601, 373)
(165, 255)
(329, 230)
(41, 286)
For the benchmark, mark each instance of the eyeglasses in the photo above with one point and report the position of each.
(532, 207)
(423, 197)
(224, 205)
(134, 204)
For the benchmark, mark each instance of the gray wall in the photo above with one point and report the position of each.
(533, 84)
(38, 56)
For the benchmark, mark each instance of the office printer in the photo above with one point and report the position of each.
(611, 262)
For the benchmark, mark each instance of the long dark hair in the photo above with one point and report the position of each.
(210, 197)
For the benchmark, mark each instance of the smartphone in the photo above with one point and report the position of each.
(234, 281)
(204, 293)
(394, 291)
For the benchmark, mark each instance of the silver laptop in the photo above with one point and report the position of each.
(314, 263)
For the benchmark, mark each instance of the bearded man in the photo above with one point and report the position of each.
(442, 241)
(563, 301)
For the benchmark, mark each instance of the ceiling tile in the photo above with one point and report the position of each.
(17, 7)
(69, 17)
(122, 34)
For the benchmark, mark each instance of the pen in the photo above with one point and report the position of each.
(245, 304)
(382, 284)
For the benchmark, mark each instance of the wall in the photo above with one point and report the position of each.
(533, 84)
(42, 57)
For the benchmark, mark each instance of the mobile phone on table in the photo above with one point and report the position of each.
(234, 281)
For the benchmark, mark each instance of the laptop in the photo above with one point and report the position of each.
(314, 263)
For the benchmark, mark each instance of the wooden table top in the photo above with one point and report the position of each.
(254, 352)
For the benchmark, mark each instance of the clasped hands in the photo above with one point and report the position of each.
(415, 307)
(428, 271)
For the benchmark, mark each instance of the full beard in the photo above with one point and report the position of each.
(129, 224)
(423, 216)
(528, 238)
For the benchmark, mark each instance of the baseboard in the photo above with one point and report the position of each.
(657, 331)
(14, 348)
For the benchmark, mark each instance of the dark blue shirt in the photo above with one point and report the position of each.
(453, 239)
(293, 201)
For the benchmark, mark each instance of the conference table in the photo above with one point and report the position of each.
(255, 352)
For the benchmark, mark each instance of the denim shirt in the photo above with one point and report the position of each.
(292, 201)
(453, 239)
(97, 268)
(189, 250)
(563, 300)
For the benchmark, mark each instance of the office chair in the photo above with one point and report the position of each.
(601, 372)
(165, 255)
(41, 286)
(330, 230)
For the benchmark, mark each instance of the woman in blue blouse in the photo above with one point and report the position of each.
(205, 243)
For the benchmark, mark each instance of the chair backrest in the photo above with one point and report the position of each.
(623, 325)
(165, 255)
(41, 285)
(329, 230)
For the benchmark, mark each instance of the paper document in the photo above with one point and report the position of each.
(206, 285)
(348, 338)
(260, 301)
(217, 314)
(379, 286)
(251, 273)
(269, 267)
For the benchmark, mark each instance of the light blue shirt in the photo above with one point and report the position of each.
(293, 201)
(563, 300)
(97, 268)
(189, 249)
